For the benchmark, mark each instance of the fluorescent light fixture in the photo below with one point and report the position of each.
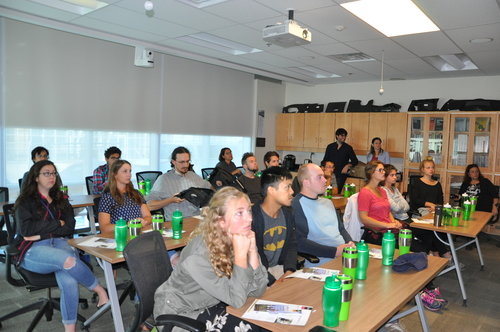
(392, 17)
(351, 57)
(218, 44)
(450, 62)
(201, 3)
(80, 7)
(312, 72)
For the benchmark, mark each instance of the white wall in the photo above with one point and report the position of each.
(399, 92)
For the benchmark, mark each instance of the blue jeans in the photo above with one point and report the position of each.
(47, 256)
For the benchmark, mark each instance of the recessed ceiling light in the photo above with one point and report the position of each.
(392, 17)
(201, 3)
(80, 7)
(481, 40)
(450, 62)
(313, 72)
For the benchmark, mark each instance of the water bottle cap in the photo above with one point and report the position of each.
(332, 282)
(121, 222)
(362, 246)
(177, 213)
(389, 235)
(148, 180)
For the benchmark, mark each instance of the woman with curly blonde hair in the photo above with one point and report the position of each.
(220, 266)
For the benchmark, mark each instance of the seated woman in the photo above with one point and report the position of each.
(45, 221)
(220, 266)
(373, 205)
(475, 184)
(377, 153)
(225, 162)
(425, 194)
(120, 199)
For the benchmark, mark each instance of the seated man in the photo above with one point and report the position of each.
(327, 167)
(319, 232)
(168, 185)
(271, 158)
(248, 179)
(274, 226)
(100, 176)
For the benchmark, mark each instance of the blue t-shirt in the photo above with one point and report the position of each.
(128, 211)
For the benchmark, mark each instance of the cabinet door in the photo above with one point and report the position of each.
(326, 130)
(359, 132)
(378, 128)
(343, 120)
(311, 130)
(297, 130)
(396, 137)
(283, 131)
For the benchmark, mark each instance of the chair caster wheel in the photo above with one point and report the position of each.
(84, 328)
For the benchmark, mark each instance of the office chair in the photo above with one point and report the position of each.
(149, 265)
(20, 183)
(89, 182)
(205, 172)
(4, 197)
(492, 221)
(151, 175)
(31, 280)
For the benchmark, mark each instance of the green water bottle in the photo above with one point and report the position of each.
(363, 259)
(388, 248)
(347, 190)
(121, 234)
(405, 239)
(346, 285)
(332, 301)
(147, 186)
(350, 261)
(177, 225)
(142, 187)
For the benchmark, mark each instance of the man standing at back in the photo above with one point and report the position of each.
(100, 176)
(319, 232)
(274, 226)
(342, 156)
(271, 158)
(249, 180)
(168, 185)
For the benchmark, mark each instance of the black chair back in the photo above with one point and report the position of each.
(149, 265)
(10, 222)
(151, 175)
(205, 172)
(95, 208)
(89, 182)
(20, 183)
(4, 194)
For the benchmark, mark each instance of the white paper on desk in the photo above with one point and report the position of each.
(423, 221)
(337, 197)
(167, 232)
(297, 314)
(100, 242)
(376, 253)
(313, 273)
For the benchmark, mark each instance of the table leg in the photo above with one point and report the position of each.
(421, 313)
(90, 213)
(113, 299)
(457, 268)
(480, 254)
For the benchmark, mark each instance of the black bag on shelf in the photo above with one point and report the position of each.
(474, 105)
(335, 107)
(423, 105)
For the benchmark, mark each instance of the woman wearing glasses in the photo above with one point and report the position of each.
(45, 221)
(373, 206)
(220, 266)
(120, 199)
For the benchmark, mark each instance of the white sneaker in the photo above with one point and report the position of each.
(452, 263)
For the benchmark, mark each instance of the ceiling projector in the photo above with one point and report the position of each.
(287, 34)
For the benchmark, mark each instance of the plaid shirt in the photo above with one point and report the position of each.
(100, 179)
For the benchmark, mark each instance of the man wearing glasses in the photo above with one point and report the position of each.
(342, 156)
(168, 185)
(100, 176)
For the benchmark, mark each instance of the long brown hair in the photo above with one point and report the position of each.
(467, 178)
(119, 198)
(370, 169)
(219, 245)
(30, 190)
(372, 149)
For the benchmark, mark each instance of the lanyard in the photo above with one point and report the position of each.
(47, 207)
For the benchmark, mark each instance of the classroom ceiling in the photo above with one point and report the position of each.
(242, 21)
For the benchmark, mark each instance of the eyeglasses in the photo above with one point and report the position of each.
(381, 170)
(43, 156)
(48, 174)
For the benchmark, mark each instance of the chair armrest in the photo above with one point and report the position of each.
(10, 252)
(310, 258)
(368, 228)
(190, 324)
(413, 212)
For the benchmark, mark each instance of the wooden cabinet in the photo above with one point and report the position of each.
(389, 127)
(360, 122)
(472, 141)
(289, 131)
(319, 130)
(428, 136)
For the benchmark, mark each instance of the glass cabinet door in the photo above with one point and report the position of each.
(472, 137)
(416, 150)
(436, 139)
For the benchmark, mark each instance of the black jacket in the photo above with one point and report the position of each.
(288, 257)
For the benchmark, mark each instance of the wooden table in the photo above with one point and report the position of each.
(86, 201)
(339, 202)
(470, 228)
(107, 257)
(374, 300)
